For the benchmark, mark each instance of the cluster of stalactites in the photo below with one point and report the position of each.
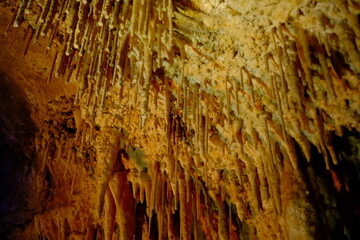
(106, 42)
(258, 121)
(180, 198)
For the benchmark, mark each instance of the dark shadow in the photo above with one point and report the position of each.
(141, 217)
(16, 151)
(335, 193)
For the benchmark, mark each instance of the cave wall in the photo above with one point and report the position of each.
(192, 119)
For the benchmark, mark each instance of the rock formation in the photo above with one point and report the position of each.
(188, 119)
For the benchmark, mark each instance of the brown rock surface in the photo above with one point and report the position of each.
(191, 119)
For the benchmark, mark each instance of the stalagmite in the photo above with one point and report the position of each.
(109, 211)
(124, 202)
(107, 148)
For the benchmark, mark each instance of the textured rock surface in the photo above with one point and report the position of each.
(192, 119)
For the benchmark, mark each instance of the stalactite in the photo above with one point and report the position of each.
(279, 102)
(74, 178)
(162, 209)
(169, 11)
(208, 228)
(325, 69)
(98, 73)
(227, 135)
(119, 60)
(105, 87)
(153, 195)
(251, 85)
(262, 173)
(29, 41)
(135, 11)
(113, 53)
(80, 25)
(348, 40)
(305, 60)
(49, 18)
(14, 37)
(269, 141)
(46, 147)
(184, 224)
(321, 138)
(61, 62)
(41, 20)
(198, 114)
(83, 136)
(20, 13)
(70, 68)
(276, 195)
(71, 23)
(278, 50)
(252, 173)
(176, 185)
(52, 68)
(29, 6)
(70, 156)
(228, 106)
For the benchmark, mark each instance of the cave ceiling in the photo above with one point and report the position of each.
(190, 119)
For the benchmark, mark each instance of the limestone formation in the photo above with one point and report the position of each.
(190, 119)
